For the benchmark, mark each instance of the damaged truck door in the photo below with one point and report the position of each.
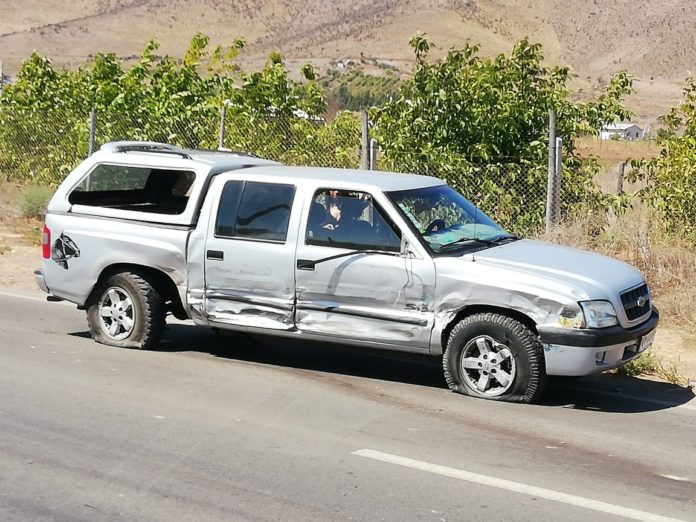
(249, 255)
(353, 282)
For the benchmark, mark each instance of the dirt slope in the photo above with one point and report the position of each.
(651, 39)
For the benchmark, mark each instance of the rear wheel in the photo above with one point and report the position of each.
(493, 356)
(125, 310)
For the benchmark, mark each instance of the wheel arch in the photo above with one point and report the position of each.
(470, 310)
(159, 279)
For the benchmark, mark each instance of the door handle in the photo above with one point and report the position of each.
(215, 255)
(306, 264)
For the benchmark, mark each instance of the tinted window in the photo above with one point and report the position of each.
(227, 210)
(262, 211)
(350, 220)
(143, 189)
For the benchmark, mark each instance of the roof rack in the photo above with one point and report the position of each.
(145, 146)
(228, 151)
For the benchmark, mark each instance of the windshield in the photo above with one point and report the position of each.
(446, 220)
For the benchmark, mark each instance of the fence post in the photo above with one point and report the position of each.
(620, 178)
(221, 135)
(557, 180)
(550, 181)
(92, 131)
(374, 147)
(365, 143)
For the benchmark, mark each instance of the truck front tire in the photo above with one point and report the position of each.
(496, 357)
(126, 310)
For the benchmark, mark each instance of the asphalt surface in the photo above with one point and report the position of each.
(240, 428)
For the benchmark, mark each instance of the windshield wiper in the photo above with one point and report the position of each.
(505, 238)
(495, 241)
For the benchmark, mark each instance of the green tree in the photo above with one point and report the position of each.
(44, 115)
(482, 124)
(670, 179)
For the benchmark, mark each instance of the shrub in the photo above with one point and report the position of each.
(459, 114)
(645, 364)
(34, 201)
(670, 178)
(44, 114)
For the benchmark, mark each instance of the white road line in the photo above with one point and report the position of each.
(33, 298)
(517, 487)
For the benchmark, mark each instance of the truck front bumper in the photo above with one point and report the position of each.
(585, 352)
(40, 280)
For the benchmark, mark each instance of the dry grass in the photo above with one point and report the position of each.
(594, 41)
(651, 364)
(668, 263)
(612, 152)
(13, 225)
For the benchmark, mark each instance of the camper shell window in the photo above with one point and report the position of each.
(140, 189)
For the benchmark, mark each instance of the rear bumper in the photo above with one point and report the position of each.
(586, 352)
(40, 280)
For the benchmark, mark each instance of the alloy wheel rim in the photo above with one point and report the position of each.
(116, 313)
(488, 366)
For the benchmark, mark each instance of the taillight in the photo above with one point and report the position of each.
(46, 243)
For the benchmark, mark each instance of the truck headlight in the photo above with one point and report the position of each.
(571, 317)
(599, 314)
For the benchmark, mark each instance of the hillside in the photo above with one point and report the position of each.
(652, 40)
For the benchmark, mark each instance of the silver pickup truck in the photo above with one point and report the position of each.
(372, 259)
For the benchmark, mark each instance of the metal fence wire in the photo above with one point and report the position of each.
(286, 139)
(41, 148)
(44, 148)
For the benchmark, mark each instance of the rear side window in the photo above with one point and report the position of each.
(250, 210)
(141, 189)
(227, 210)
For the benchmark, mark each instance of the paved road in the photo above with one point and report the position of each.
(233, 428)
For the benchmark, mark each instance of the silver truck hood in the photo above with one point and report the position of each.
(533, 277)
(588, 275)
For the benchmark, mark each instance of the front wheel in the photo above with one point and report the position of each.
(125, 310)
(493, 356)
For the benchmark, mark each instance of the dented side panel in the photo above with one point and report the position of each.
(248, 283)
(465, 282)
(195, 267)
(252, 286)
(82, 247)
(367, 297)
(371, 297)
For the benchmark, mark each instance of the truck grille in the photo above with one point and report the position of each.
(636, 302)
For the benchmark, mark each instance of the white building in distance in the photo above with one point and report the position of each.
(621, 131)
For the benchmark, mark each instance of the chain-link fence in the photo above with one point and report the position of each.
(296, 140)
(41, 147)
(291, 140)
(44, 148)
(514, 191)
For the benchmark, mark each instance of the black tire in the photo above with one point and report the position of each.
(148, 311)
(524, 363)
